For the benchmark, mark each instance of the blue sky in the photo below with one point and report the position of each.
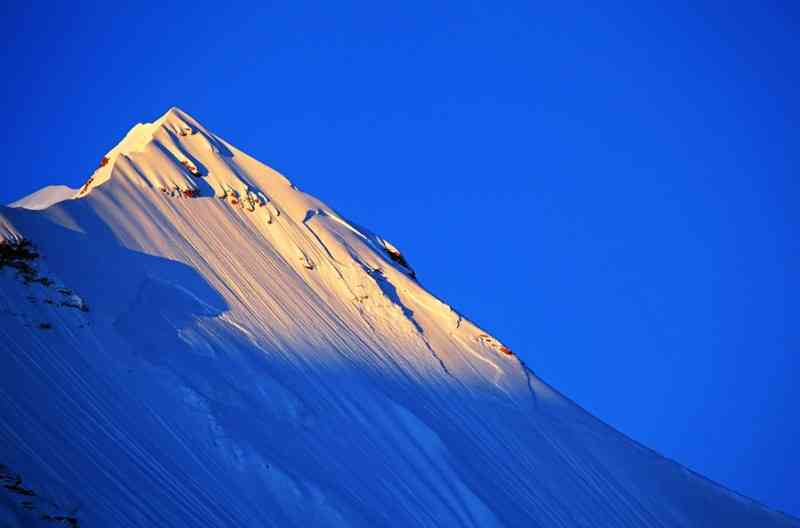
(610, 190)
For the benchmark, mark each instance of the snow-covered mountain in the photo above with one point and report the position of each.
(45, 197)
(191, 341)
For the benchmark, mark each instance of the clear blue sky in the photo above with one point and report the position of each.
(612, 191)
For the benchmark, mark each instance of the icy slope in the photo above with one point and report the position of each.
(193, 341)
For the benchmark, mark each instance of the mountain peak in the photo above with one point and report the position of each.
(175, 154)
(175, 111)
(177, 119)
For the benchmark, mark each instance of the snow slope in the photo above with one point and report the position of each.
(197, 343)
(45, 197)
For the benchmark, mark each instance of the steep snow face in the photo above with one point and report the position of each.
(193, 341)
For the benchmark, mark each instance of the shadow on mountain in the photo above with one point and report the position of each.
(79, 248)
(200, 170)
(236, 427)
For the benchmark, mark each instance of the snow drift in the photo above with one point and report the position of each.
(45, 197)
(193, 341)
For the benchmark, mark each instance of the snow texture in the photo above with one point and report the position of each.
(45, 197)
(198, 343)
